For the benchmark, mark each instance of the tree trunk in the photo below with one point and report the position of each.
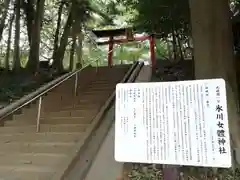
(59, 56)
(169, 51)
(213, 52)
(4, 15)
(121, 52)
(79, 50)
(28, 7)
(180, 47)
(188, 42)
(33, 58)
(16, 59)
(174, 44)
(56, 37)
(9, 43)
(72, 53)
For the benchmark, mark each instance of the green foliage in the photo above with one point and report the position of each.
(90, 14)
(161, 49)
(160, 16)
(14, 87)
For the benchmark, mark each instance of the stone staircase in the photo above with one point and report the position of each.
(65, 123)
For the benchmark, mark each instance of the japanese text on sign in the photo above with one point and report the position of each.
(220, 123)
(182, 122)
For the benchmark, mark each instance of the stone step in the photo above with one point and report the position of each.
(64, 120)
(88, 95)
(73, 106)
(83, 106)
(39, 148)
(50, 120)
(33, 116)
(68, 120)
(43, 160)
(61, 128)
(99, 85)
(19, 175)
(72, 113)
(65, 99)
(60, 113)
(96, 93)
(27, 168)
(86, 101)
(40, 138)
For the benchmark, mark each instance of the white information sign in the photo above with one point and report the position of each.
(178, 123)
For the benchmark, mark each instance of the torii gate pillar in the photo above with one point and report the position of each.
(152, 50)
(110, 52)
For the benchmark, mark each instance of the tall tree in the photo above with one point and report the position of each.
(213, 52)
(60, 51)
(28, 7)
(72, 52)
(78, 15)
(79, 49)
(9, 42)
(16, 59)
(4, 16)
(57, 32)
(33, 59)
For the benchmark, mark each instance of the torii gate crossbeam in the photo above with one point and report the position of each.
(129, 37)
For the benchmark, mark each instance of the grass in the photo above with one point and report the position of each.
(155, 172)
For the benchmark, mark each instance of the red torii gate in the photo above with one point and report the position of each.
(129, 37)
